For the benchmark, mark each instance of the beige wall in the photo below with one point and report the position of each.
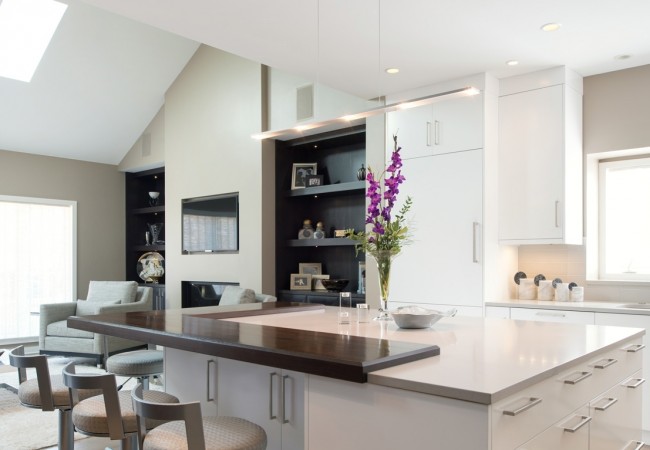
(211, 111)
(98, 190)
(616, 108)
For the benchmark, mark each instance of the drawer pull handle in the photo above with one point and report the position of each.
(284, 399)
(603, 363)
(271, 415)
(634, 348)
(209, 395)
(532, 401)
(610, 402)
(638, 445)
(582, 376)
(637, 382)
(550, 314)
(428, 134)
(584, 421)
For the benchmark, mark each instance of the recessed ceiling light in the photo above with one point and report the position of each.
(512, 62)
(622, 57)
(392, 70)
(26, 28)
(551, 26)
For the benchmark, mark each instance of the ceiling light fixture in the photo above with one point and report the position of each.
(392, 70)
(333, 124)
(551, 27)
(512, 62)
(26, 28)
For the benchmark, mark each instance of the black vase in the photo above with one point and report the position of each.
(361, 173)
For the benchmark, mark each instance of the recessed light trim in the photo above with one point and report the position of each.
(392, 70)
(552, 26)
(512, 62)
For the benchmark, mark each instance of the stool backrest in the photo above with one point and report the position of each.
(18, 359)
(104, 381)
(189, 413)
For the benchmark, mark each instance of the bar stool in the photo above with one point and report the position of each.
(190, 430)
(141, 364)
(45, 392)
(109, 414)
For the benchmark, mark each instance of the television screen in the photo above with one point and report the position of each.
(211, 224)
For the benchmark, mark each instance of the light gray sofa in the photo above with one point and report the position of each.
(55, 338)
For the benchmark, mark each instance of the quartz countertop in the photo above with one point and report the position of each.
(606, 307)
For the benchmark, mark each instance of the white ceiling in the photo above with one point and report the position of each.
(342, 43)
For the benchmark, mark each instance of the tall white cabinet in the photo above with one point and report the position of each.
(540, 158)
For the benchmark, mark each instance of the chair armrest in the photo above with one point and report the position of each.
(143, 305)
(264, 298)
(53, 312)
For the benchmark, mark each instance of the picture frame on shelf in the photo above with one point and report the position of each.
(362, 278)
(310, 268)
(317, 282)
(313, 180)
(299, 174)
(300, 282)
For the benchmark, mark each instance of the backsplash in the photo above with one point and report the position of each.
(568, 263)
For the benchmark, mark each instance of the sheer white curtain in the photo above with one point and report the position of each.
(37, 261)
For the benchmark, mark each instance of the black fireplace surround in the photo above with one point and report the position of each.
(202, 293)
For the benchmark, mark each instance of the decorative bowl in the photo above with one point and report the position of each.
(335, 285)
(418, 317)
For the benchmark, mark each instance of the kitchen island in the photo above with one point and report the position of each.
(496, 384)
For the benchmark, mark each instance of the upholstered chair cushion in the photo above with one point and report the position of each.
(29, 395)
(89, 416)
(234, 295)
(223, 433)
(111, 290)
(136, 363)
(60, 329)
(88, 308)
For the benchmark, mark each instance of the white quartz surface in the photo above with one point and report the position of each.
(606, 307)
(481, 359)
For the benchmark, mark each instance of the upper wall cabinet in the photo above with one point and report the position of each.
(540, 158)
(445, 127)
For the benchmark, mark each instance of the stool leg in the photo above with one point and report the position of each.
(145, 383)
(66, 430)
(130, 442)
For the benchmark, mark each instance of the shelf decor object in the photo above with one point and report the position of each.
(151, 267)
(388, 233)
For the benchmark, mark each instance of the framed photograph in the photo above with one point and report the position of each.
(317, 282)
(362, 278)
(310, 268)
(300, 282)
(313, 180)
(299, 174)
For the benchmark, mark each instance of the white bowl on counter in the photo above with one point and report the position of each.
(418, 317)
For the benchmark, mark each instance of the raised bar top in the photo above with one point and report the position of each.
(204, 330)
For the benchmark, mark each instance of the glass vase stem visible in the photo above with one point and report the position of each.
(384, 259)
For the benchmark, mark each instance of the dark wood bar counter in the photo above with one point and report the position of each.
(204, 330)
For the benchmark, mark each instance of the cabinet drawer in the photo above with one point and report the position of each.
(553, 315)
(519, 417)
(570, 433)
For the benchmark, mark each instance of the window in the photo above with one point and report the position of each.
(624, 220)
(37, 261)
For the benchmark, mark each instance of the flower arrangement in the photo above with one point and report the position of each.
(388, 233)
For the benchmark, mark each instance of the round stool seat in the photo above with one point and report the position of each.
(137, 363)
(221, 433)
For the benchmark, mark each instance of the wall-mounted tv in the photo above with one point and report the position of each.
(211, 224)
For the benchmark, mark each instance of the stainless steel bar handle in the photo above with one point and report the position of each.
(209, 379)
(284, 399)
(634, 348)
(550, 314)
(638, 382)
(583, 376)
(604, 363)
(585, 420)
(428, 134)
(271, 415)
(638, 445)
(437, 132)
(557, 214)
(532, 401)
(610, 402)
(474, 242)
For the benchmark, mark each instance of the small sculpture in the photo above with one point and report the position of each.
(307, 231)
(319, 233)
(361, 173)
(153, 198)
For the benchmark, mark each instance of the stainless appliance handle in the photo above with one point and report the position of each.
(271, 415)
(209, 378)
(428, 134)
(474, 242)
(437, 132)
(284, 399)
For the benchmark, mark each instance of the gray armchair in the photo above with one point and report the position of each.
(55, 338)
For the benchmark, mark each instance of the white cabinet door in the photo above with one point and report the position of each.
(615, 418)
(191, 377)
(443, 264)
(552, 315)
(540, 167)
(445, 127)
(636, 321)
(270, 397)
(500, 312)
(570, 433)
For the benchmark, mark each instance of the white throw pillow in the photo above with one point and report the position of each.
(110, 290)
(233, 295)
(86, 308)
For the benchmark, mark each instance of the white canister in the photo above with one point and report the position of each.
(545, 290)
(527, 289)
(562, 292)
(577, 294)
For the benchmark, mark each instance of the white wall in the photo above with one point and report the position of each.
(211, 111)
(148, 152)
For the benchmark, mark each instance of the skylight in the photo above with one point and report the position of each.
(26, 28)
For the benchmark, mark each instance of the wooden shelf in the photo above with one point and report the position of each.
(149, 248)
(352, 187)
(326, 242)
(149, 210)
